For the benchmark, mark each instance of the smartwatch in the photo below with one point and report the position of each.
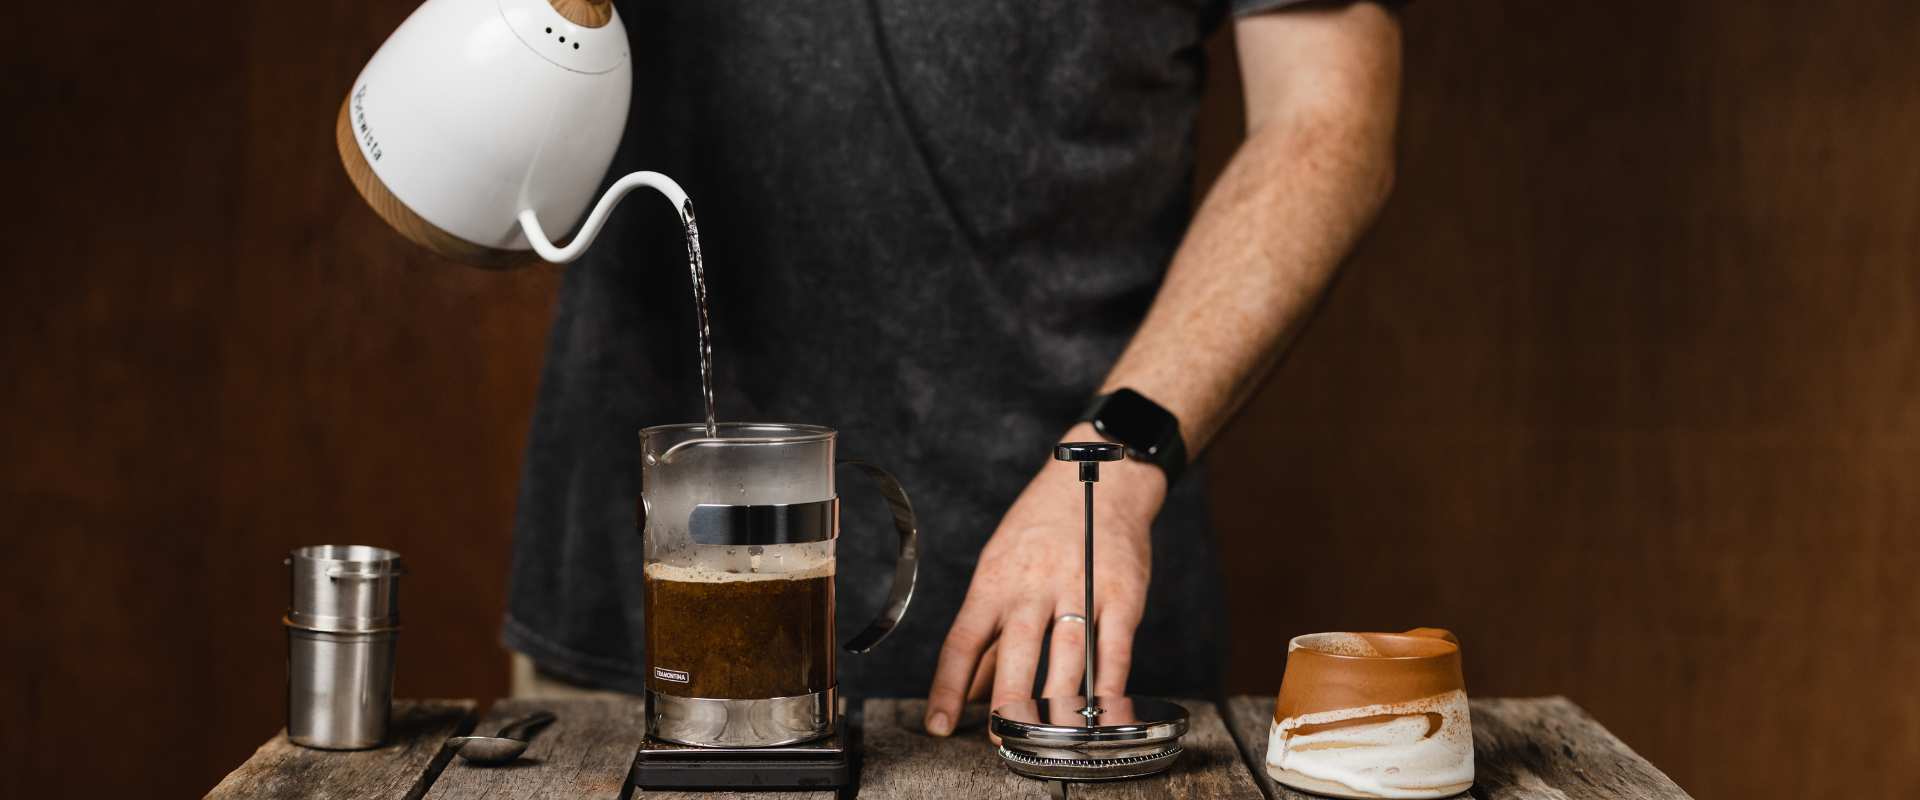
(1148, 432)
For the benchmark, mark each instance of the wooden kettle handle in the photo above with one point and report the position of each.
(1434, 633)
(585, 13)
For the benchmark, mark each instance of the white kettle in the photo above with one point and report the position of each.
(481, 124)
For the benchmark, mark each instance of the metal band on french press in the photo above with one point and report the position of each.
(791, 523)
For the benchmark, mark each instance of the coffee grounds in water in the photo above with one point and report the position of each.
(738, 636)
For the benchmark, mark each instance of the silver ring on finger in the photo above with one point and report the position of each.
(1071, 618)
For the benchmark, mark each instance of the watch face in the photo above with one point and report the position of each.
(1135, 421)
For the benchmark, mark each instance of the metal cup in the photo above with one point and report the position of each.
(340, 687)
(343, 631)
(345, 588)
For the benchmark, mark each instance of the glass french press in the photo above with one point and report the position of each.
(739, 526)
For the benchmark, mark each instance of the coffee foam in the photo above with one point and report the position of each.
(1339, 644)
(670, 572)
(1417, 749)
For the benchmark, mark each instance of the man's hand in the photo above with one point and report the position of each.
(1031, 572)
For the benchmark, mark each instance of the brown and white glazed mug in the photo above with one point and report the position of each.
(1373, 715)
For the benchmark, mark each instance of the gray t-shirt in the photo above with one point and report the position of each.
(931, 225)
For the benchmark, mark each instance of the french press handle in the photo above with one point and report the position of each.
(906, 571)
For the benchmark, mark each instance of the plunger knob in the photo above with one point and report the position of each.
(1089, 454)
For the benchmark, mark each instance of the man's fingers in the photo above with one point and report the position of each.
(1019, 659)
(958, 658)
(983, 674)
(1115, 651)
(1066, 658)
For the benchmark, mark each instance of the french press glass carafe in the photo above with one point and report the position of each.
(739, 531)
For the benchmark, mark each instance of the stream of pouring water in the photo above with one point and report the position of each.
(699, 270)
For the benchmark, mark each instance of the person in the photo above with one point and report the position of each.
(950, 230)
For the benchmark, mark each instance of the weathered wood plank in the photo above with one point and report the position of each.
(586, 753)
(404, 768)
(1535, 746)
(1542, 748)
(1211, 767)
(902, 761)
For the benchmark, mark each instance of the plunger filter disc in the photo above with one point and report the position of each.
(1050, 738)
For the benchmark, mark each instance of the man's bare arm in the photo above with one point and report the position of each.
(1322, 89)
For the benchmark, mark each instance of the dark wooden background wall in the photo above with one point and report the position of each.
(1621, 388)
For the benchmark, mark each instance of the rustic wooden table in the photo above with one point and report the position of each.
(1524, 749)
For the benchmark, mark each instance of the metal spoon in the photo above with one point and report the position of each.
(503, 747)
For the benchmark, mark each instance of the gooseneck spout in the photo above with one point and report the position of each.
(561, 255)
(695, 264)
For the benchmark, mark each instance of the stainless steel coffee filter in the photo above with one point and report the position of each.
(345, 588)
(1057, 739)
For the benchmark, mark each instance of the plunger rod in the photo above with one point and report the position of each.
(1089, 455)
(1085, 468)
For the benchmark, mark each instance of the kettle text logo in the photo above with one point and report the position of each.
(670, 675)
(360, 124)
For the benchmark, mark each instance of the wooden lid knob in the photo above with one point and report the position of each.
(585, 13)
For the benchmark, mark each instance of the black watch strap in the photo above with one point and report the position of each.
(1149, 432)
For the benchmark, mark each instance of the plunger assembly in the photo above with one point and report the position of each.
(1089, 738)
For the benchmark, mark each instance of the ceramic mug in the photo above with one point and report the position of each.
(1373, 715)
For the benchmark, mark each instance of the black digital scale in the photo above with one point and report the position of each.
(821, 763)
